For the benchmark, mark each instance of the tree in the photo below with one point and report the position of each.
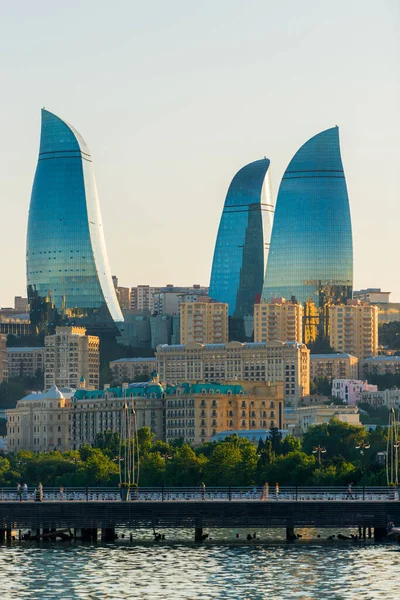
(338, 438)
(184, 468)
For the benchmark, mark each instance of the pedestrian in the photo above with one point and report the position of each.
(277, 490)
(61, 493)
(25, 491)
(19, 496)
(40, 492)
(350, 491)
(203, 490)
(265, 491)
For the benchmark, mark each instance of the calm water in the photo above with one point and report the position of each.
(319, 570)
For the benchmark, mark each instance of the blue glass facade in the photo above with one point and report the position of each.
(311, 254)
(66, 254)
(243, 240)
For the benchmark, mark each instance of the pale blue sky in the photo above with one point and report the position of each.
(174, 97)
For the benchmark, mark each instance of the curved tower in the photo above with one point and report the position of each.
(67, 264)
(311, 254)
(243, 238)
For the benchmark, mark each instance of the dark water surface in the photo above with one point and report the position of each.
(183, 571)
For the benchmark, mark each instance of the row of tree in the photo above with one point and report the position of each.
(234, 461)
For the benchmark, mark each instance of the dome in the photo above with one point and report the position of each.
(53, 393)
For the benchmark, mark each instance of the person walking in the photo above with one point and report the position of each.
(19, 494)
(25, 491)
(203, 490)
(277, 490)
(350, 491)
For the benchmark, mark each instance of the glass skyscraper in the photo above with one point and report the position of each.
(311, 254)
(243, 239)
(67, 264)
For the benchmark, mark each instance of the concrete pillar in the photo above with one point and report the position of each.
(364, 533)
(379, 533)
(369, 533)
(108, 534)
(45, 532)
(2, 535)
(8, 534)
(86, 534)
(77, 533)
(290, 534)
(198, 534)
(94, 534)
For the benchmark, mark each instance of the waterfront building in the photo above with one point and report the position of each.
(40, 422)
(388, 398)
(197, 412)
(273, 362)
(127, 369)
(349, 390)
(67, 266)
(25, 361)
(278, 320)
(311, 253)
(334, 366)
(354, 328)
(205, 322)
(242, 244)
(3, 359)
(379, 365)
(71, 358)
(298, 420)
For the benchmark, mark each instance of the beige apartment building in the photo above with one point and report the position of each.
(287, 362)
(25, 361)
(71, 357)
(379, 365)
(126, 369)
(197, 412)
(354, 328)
(204, 322)
(278, 320)
(334, 366)
(124, 297)
(298, 420)
(388, 398)
(3, 358)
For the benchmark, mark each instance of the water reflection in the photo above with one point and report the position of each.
(301, 571)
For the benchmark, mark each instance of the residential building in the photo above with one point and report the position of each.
(339, 365)
(204, 321)
(71, 357)
(242, 244)
(124, 297)
(163, 300)
(388, 398)
(273, 362)
(21, 304)
(311, 253)
(354, 328)
(4, 374)
(25, 361)
(126, 369)
(67, 264)
(379, 365)
(278, 320)
(17, 326)
(297, 421)
(372, 295)
(349, 390)
(198, 412)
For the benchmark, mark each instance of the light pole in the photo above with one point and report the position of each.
(318, 450)
(363, 446)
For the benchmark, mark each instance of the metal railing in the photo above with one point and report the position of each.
(209, 494)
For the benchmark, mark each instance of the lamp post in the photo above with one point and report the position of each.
(363, 446)
(318, 450)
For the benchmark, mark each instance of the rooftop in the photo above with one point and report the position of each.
(135, 360)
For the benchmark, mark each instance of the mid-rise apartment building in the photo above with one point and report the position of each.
(334, 366)
(163, 300)
(354, 328)
(204, 321)
(25, 361)
(71, 357)
(379, 365)
(388, 398)
(197, 412)
(273, 362)
(126, 369)
(278, 320)
(297, 421)
(349, 390)
(3, 358)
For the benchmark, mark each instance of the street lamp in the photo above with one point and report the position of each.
(362, 446)
(318, 450)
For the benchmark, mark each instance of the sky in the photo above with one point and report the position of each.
(173, 98)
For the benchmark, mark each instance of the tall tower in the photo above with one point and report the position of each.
(311, 254)
(67, 264)
(242, 244)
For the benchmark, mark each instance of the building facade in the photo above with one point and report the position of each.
(311, 253)
(4, 373)
(235, 361)
(278, 320)
(25, 361)
(302, 418)
(242, 244)
(126, 369)
(198, 412)
(71, 359)
(388, 398)
(349, 390)
(205, 322)
(379, 365)
(67, 264)
(334, 366)
(354, 328)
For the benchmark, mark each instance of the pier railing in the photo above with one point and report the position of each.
(206, 494)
